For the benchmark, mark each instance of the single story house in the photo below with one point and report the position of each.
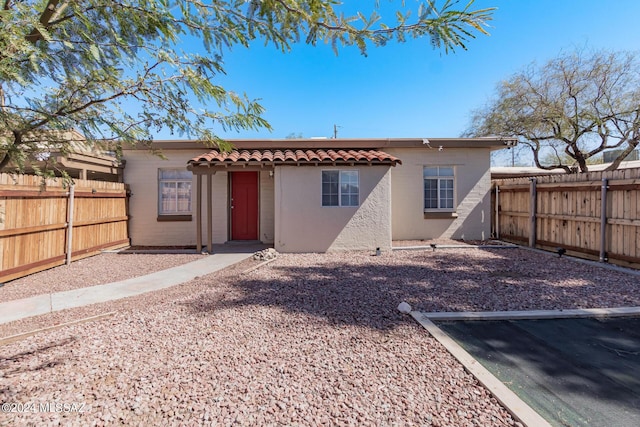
(80, 160)
(311, 195)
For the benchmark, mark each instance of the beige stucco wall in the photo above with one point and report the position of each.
(141, 173)
(472, 186)
(291, 214)
(302, 224)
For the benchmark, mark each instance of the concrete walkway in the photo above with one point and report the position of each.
(48, 303)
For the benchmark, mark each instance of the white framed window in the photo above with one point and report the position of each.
(340, 188)
(174, 192)
(439, 188)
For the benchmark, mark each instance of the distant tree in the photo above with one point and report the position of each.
(569, 110)
(122, 70)
(294, 135)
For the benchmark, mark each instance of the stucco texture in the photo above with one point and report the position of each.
(472, 197)
(391, 205)
(302, 224)
(141, 173)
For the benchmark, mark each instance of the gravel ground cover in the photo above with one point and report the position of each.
(96, 270)
(309, 339)
(401, 243)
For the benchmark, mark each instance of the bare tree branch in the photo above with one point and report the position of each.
(587, 103)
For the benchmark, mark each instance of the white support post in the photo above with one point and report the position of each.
(209, 213)
(199, 212)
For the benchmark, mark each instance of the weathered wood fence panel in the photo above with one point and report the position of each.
(35, 218)
(569, 213)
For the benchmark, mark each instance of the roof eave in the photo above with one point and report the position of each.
(353, 143)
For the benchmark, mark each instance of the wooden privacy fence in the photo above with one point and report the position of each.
(595, 215)
(42, 226)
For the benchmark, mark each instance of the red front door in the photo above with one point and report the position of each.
(244, 205)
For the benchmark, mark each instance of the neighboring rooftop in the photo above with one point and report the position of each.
(69, 151)
(501, 172)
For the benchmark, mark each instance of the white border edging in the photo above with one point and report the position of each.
(534, 314)
(21, 336)
(607, 265)
(255, 267)
(505, 245)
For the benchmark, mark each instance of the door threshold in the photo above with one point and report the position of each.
(243, 242)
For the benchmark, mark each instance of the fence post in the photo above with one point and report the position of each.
(70, 222)
(497, 202)
(532, 212)
(603, 220)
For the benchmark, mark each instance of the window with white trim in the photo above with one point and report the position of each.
(439, 184)
(340, 188)
(174, 192)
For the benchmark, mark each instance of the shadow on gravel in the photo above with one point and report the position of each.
(36, 354)
(366, 290)
(577, 372)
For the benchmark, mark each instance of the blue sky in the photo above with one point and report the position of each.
(410, 89)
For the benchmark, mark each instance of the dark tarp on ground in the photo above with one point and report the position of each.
(573, 372)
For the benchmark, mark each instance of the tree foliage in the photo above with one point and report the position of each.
(573, 107)
(120, 70)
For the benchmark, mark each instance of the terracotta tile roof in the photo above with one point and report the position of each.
(295, 157)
